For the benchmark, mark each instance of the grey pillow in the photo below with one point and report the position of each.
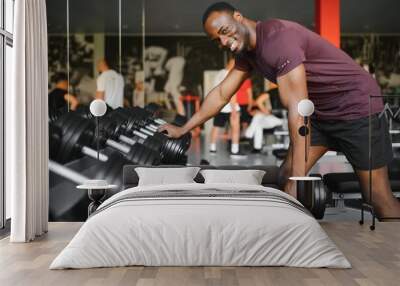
(163, 176)
(248, 177)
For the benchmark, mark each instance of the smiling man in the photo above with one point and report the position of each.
(304, 65)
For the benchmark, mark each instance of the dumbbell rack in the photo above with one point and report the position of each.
(368, 205)
(78, 137)
(75, 161)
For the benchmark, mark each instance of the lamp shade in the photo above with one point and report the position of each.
(305, 107)
(98, 107)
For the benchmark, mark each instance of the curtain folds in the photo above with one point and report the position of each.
(27, 123)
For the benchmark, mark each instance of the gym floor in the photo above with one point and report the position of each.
(199, 150)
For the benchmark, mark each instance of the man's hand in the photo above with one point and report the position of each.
(171, 130)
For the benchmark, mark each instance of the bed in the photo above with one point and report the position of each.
(200, 224)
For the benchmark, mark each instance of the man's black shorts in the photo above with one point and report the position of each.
(351, 138)
(220, 119)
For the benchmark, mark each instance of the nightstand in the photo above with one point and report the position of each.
(96, 194)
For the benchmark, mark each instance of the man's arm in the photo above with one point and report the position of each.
(217, 98)
(293, 88)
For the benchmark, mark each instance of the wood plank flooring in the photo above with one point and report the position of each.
(375, 257)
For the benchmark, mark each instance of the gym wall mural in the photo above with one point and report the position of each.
(379, 54)
(166, 56)
(173, 66)
(181, 60)
(126, 133)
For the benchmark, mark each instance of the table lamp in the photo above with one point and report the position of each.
(305, 108)
(98, 108)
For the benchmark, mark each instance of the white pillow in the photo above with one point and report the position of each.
(163, 176)
(248, 177)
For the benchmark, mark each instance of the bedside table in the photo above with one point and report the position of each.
(96, 194)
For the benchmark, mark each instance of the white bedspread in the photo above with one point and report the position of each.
(183, 231)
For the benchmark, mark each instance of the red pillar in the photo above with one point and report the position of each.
(327, 20)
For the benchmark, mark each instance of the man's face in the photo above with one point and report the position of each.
(227, 31)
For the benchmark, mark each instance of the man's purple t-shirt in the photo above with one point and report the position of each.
(338, 86)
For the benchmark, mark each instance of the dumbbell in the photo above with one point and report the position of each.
(145, 116)
(77, 138)
(139, 119)
(312, 194)
(136, 115)
(54, 114)
(133, 126)
(136, 119)
(128, 120)
(319, 201)
(171, 150)
(55, 135)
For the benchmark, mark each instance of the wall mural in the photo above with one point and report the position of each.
(380, 55)
(173, 69)
(174, 64)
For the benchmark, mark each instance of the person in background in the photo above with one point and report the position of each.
(155, 57)
(155, 73)
(244, 97)
(191, 104)
(59, 96)
(262, 119)
(110, 85)
(83, 85)
(138, 92)
(230, 111)
(175, 66)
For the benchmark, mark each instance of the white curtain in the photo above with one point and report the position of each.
(26, 123)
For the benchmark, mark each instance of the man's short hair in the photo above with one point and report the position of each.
(218, 7)
(61, 76)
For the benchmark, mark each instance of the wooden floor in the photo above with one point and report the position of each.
(375, 257)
